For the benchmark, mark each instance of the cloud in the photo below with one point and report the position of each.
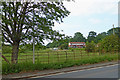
(94, 21)
(88, 7)
(87, 15)
(68, 29)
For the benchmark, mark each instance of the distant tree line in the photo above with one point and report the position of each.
(92, 37)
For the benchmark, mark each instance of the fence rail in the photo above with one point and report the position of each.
(58, 56)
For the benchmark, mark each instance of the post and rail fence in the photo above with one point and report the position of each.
(57, 56)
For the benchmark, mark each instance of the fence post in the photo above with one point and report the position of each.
(26, 57)
(87, 53)
(74, 54)
(98, 52)
(66, 55)
(38, 56)
(113, 52)
(93, 53)
(81, 54)
(58, 56)
(48, 57)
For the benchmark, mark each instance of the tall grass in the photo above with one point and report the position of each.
(51, 56)
(29, 66)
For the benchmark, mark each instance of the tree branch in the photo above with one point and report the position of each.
(6, 38)
(23, 17)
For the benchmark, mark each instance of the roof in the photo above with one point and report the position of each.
(77, 42)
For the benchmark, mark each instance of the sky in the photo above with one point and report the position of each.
(89, 15)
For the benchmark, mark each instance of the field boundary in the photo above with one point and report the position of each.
(56, 56)
(52, 72)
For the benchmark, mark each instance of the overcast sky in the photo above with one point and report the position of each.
(89, 15)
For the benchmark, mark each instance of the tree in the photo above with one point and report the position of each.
(22, 21)
(110, 43)
(78, 37)
(116, 30)
(91, 36)
(90, 46)
(119, 39)
(101, 36)
(62, 44)
(117, 33)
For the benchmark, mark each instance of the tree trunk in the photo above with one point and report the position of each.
(14, 58)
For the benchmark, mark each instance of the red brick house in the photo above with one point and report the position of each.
(76, 44)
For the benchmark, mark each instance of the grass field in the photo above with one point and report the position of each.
(45, 59)
(45, 56)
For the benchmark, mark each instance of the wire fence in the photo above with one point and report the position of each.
(58, 56)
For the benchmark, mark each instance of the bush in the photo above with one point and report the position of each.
(110, 43)
(63, 46)
(90, 47)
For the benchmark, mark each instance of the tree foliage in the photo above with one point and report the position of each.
(78, 37)
(62, 44)
(22, 21)
(90, 46)
(110, 43)
(116, 31)
(100, 36)
(92, 36)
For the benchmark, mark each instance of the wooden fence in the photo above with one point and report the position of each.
(57, 56)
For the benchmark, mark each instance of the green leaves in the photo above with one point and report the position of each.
(23, 21)
(78, 37)
(110, 43)
(90, 47)
(35, 19)
(91, 37)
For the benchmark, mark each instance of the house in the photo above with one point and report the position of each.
(76, 44)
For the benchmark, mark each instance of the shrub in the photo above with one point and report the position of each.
(110, 43)
(90, 47)
(63, 46)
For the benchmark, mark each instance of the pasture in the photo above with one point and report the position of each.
(48, 59)
(50, 56)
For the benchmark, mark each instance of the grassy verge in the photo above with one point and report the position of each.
(28, 66)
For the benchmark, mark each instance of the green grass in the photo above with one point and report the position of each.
(54, 56)
(55, 64)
